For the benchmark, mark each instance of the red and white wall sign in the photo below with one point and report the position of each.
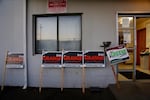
(57, 6)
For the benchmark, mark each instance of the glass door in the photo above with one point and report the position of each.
(127, 37)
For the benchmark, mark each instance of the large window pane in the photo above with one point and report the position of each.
(46, 35)
(54, 32)
(69, 32)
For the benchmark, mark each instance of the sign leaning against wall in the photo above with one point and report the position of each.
(94, 58)
(14, 60)
(117, 54)
(51, 59)
(73, 58)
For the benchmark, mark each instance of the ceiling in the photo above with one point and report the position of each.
(141, 20)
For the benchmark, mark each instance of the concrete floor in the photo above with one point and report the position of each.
(131, 90)
(32, 93)
(127, 90)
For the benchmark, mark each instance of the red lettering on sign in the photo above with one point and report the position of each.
(51, 58)
(15, 60)
(73, 58)
(94, 58)
(57, 3)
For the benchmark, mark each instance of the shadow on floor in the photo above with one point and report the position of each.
(139, 75)
(131, 91)
(17, 93)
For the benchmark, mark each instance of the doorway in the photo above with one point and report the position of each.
(134, 32)
(141, 43)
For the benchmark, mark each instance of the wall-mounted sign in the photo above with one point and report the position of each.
(72, 57)
(117, 54)
(52, 57)
(95, 58)
(57, 6)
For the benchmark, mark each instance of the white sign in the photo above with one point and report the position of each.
(94, 58)
(14, 60)
(125, 22)
(57, 6)
(52, 59)
(117, 54)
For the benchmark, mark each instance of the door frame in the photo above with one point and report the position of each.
(134, 14)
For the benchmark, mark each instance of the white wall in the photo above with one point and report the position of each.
(12, 30)
(99, 24)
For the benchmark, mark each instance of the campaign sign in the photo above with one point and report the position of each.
(14, 60)
(52, 58)
(94, 58)
(72, 57)
(117, 54)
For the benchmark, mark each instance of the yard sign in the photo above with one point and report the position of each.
(117, 54)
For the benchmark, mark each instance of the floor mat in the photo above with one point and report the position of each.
(139, 75)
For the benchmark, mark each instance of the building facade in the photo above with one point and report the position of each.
(99, 19)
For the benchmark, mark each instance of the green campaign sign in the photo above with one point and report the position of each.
(117, 54)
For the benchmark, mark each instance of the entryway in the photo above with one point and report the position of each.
(133, 31)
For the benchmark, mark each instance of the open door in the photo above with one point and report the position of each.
(141, 43)
(126, 36)
(134, 32)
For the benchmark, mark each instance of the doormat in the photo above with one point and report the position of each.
(139, 75)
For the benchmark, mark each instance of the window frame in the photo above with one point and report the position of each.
(34, 30)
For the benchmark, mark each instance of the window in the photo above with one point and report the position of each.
(55, 32)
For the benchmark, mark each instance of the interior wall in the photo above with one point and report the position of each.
(145, 24)
(148, 35)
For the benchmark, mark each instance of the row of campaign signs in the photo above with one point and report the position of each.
(75, 58)
(66, 58)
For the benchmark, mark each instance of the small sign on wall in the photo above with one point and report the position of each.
(57, 6)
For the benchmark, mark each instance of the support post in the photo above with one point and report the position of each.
(4, 71)
(83, 79)
(41, 78)
(62, 79)
(115, 76)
